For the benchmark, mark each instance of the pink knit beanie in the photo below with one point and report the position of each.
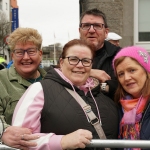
(136, 52)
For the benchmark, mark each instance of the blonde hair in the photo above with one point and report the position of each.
(24, 35)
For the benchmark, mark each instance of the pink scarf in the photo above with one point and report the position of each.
(130, 123)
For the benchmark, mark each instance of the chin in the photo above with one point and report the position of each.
(94, 44)
(90, 41)
(78, 83)
(27, 70)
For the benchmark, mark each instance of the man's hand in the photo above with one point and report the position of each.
(18, 137)
(101, 75)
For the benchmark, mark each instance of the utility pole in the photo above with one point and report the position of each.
(54, 51)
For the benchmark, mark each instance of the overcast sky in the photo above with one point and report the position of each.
(49, 17)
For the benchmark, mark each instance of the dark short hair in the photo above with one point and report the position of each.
(95, 12)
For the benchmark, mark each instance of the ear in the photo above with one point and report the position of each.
(12, 56)
(41, 54)
(80, 32)
(61, 61)
(106, 32)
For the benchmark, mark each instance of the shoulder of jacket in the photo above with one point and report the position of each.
(4, 73)
(42, 72)
(111, 49)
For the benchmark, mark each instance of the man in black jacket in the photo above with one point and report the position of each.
(94, 30)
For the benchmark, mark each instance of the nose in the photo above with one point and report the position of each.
(80, 64)
(26, 56)
(91, 29)
(127, 76)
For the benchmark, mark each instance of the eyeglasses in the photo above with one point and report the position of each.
(96, 26)
(21, 52)
(73, 60)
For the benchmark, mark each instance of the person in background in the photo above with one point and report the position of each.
(55, 115)
(94, 30)
(113, 38)
(132, 68)
(25, 45)
(3, 63)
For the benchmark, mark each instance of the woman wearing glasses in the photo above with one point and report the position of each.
(25, 46)
(49, 108)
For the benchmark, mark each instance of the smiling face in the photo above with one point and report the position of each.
(77, 74)
(131, 76)
(27, 65)
(92, 36)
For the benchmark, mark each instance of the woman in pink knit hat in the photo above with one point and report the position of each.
(132, 68)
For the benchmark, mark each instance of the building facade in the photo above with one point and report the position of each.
(5, 28)
(128, 18)
(5, 7)
(7, 25)
(51, 54)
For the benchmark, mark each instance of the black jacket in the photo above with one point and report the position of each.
(103, 61)
(62, 114)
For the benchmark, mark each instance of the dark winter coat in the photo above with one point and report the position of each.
(103, 61)
(62, 114)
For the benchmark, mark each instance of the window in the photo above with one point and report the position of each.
(144, 20)
(142, 23)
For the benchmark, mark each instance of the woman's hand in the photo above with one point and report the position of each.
(18, 137)
(77, 139)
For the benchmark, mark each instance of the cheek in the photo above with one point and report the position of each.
(83, 33)
(65, 69)
(144, 80)
(88, 70)
(120, 81)
(16, 60)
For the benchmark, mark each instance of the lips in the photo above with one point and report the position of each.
(78, 72)
(130, 84)
(26, 63)
(91, 37)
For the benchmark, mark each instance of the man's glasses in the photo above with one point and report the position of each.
(87, 26)
(21, 52)
(73, 60)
